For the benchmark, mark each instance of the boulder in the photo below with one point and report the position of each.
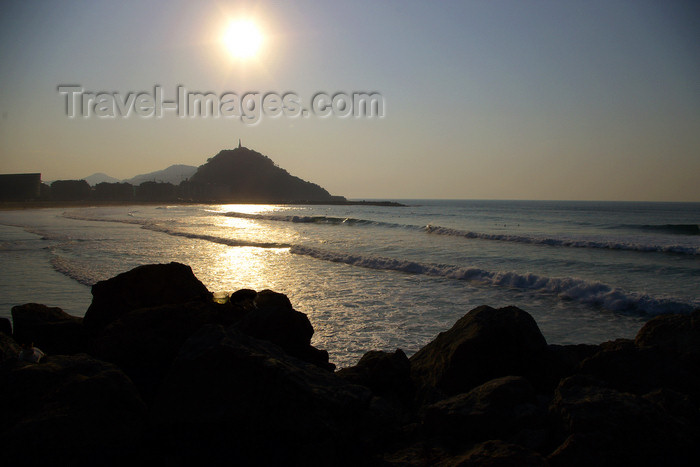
(68, 410)
(497, 409)
(497, 453)
(386, 374)
(678, 405)
(49, 328)
(603, 426)
(143, 287)
(567, 358)
(144, 342)
(624, 366)
(484, 344)
(268, 299)
(272, 318)
(233, 398)
(674, 334)
(243, 296)
(9, 350)
(5, 326)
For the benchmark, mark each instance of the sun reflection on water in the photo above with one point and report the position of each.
(247, 267)
(248, 208)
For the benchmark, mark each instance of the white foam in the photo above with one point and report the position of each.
(213, 238)
(77, 217)
(567, 288)
(438, 230)
(80, 271)
(315, 219)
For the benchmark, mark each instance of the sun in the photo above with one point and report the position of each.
(242, 38)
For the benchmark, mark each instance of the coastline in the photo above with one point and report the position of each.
(27, 205)
(403, 252)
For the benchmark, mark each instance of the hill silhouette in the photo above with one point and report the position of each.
(246, 175)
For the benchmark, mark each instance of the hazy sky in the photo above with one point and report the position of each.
(482, 99)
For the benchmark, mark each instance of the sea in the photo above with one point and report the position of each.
(374, 277)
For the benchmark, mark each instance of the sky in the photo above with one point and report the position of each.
(501, 99)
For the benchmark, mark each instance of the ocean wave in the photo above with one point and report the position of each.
(213, 238)
(132, 221)
(80, 271)
(157, 227)
(47, 235)
(316, 220)
(565, 242)
(438, 230)
(529, 239)
(568, 288)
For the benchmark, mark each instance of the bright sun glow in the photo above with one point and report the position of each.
(243, 38)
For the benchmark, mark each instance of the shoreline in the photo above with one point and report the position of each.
(28, 205)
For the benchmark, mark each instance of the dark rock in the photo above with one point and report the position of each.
(68, 410)
(497, 453)
(628, 368)
(144, 342)
(680, 406)
(233, 398)
(243, 295)
(675, 335)
(418, 455)
(569, 357)
(318, 357)
(51, 329)
(273, 319)
(267, 299)
(603, 426)
(495, 410)
(558, 362)
(5, 326)
(485, 344)
(616, 345)
(9, 350)
(145, 286)
(386, 374)
(238, 382)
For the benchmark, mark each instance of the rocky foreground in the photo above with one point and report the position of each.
(157, 371)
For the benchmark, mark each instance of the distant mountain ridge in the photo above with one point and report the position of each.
(100, 177)
(173, 174)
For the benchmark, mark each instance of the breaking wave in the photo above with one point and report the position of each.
(156, 227)
(132, 221)
(566, 242)
(527, 239)
(315, 220)
(567, 288)
(213, 238)
(80, 271)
